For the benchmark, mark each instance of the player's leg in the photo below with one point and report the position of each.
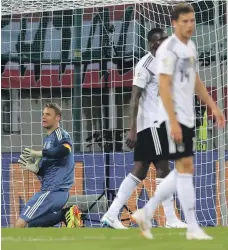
(172, 221)
(71, 217)
(24, 217)
(164, 191)
(20, 223)
(138, 173)
(185, 188)
(186, 195)
(40, 205)
(167, 187)
(142, 153)
(180, 179)
(56, 201)
(54, 206)
(48, 220)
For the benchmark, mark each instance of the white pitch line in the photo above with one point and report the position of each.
(76, 238)
(44, 239)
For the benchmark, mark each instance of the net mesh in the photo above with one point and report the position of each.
(83, 59)
(31, 6)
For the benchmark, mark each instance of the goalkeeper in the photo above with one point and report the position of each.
(54, 166)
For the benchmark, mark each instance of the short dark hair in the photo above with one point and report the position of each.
(152, 32)
(55, 107)
(181, 8)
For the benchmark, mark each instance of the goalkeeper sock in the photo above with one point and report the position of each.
(126, 189)
(168, 206)
(166, 188)
(186, 195)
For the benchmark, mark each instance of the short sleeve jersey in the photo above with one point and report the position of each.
(145, 78)
(180, 61)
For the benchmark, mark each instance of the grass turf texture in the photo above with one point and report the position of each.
(108, 239)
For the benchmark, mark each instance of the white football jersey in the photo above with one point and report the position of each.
(179, 60)
(146, 78)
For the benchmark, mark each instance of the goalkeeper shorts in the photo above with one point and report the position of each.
(43, 203)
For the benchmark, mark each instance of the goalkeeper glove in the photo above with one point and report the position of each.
(29, 153)
(28, 164)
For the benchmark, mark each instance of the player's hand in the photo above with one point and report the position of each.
(220, 118)
(28, 165)
(26, 157)
(131, 138)
(176, 132)
(27, 152)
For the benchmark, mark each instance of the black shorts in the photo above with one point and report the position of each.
(154, 144)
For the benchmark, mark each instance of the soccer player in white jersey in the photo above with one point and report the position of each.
(143, 119)
(178, 81)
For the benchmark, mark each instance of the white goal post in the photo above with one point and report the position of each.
(81, 54)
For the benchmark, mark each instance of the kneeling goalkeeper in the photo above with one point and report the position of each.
(54, 166)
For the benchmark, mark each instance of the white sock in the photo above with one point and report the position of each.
(169, 210)
(168, 206)
(166, 188)
(126, 189)
(186, 195)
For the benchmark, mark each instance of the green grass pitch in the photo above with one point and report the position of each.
(108, 239)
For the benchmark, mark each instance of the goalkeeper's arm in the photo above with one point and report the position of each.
(57, 152)
(60, 151)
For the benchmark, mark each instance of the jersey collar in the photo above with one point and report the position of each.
(174, 35)
(151, 54)
(53, 131)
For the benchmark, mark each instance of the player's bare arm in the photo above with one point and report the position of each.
(165, 83)
(134, 104)
(202, 93)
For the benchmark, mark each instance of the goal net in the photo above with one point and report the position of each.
(81, 55)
